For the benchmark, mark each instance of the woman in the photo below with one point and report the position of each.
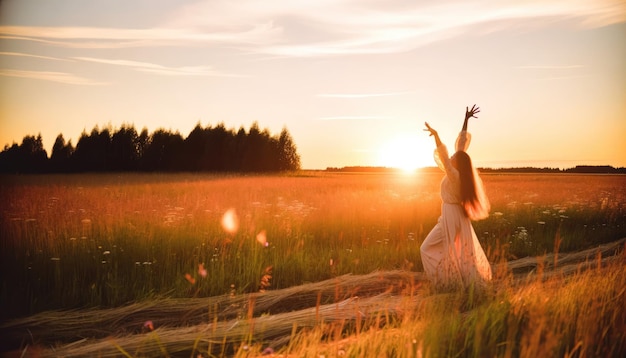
(451, 254)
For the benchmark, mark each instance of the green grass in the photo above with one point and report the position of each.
(87, 240)
(576, 316)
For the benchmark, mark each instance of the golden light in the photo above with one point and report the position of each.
(230, 221)
(407, 153)
(261, 237)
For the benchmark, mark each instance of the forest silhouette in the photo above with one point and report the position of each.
(208, 149)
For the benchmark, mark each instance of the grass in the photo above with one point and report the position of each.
(106, 241)
(575, 310)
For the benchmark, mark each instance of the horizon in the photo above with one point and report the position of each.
(535, 164)
(353, 83)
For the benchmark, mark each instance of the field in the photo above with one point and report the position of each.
(111, 241)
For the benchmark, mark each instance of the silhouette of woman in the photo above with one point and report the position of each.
(451, 254)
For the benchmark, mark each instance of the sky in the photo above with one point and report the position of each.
(352, 81)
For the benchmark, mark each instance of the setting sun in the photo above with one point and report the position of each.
(406, 152)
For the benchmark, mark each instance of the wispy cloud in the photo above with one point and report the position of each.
(550, 67)
(554, 72)
(60, 77)
(361, 95)
(97, 37)
(19, 54)
(327, 27)
(358, 118)
(159, 69)
(344, 27)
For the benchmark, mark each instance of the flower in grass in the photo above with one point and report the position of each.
(267, 351)
(149, 325)
(261, 237)
(265, 279)
(230, 221)
(201, 270)
(190, 279)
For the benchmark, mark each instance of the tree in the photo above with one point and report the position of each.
(288, 153)
(92, 151)
(9, 159)
(124, 149)
(194, 149)
(164, 152)
(61, 155)
(205, 149)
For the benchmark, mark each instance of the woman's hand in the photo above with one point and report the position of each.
(433, 133)
(469, 113)
(430, 130)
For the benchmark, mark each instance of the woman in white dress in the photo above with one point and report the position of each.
(451, 254)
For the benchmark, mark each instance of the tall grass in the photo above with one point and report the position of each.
(581, 315)
(87, 240)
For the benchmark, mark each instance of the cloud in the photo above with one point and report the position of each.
(97, 37)
(550, 67)
(60, 77)
(347, 27)
(361, 95)
(159, 69)
(19, 54)
(359, 118)
(306, 28)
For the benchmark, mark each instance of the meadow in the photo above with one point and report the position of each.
(106, 241)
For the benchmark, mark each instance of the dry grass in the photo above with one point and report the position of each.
(344, 313)
(139, 265)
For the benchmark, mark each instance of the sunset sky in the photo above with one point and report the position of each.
(353, 81)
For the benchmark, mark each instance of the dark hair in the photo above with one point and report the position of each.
(469, 198)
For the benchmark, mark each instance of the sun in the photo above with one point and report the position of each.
(406, 153)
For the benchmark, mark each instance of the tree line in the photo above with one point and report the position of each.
(210, 149)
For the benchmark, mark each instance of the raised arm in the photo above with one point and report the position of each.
(469, 113)
(441, 155)
(433, 133)
(464, 138)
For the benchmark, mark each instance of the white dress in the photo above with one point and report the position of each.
(451, 254)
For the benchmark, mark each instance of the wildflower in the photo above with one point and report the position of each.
(201, 270)
(190, 279)
(268, 350)
(149, 325)
(265, 279)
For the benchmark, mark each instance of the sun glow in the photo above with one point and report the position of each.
(406, 153)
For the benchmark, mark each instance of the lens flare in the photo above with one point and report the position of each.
(190, 279)
(261, 237)
(230, 221)
(201, 270)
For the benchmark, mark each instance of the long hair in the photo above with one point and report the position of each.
(473, 200)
